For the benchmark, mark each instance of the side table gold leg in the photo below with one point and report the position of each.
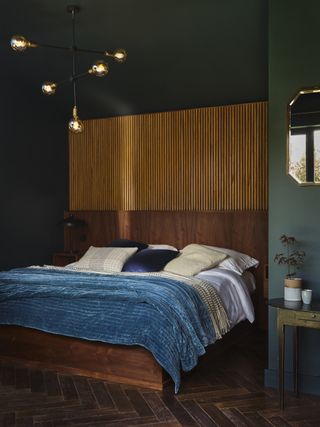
(281, 343)
(296, 359)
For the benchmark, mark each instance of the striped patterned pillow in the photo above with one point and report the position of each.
(105, 260)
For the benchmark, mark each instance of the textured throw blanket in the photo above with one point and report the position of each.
(165, 315)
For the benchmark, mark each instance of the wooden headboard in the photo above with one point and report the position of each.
(245, 231)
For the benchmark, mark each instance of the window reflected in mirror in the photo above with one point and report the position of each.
(303, 163)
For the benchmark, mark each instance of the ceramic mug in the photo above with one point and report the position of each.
(306, 296)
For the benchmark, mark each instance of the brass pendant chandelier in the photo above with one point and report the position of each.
(99, 68)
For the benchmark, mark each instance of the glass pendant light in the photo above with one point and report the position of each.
(75, 124)
(19, 43)
(120, 55)
(49, 88)
(99, 69)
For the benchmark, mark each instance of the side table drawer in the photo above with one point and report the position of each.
(311, 316)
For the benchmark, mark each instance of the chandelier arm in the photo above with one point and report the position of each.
(73, 49)
(63, 82)
(51, 46)
(76, 77)
(81, 75)
(100, 52)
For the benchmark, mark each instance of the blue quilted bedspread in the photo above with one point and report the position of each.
(165, 316)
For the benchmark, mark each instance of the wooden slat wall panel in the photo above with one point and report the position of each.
(201, 159)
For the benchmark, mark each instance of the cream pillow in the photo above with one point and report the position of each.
(105, 260)
(193, 259)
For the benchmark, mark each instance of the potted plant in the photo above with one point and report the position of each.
(292, 258)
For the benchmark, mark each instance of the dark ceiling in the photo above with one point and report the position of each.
(181, 53)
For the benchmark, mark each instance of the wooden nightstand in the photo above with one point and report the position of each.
(63, 258)
(294, 314)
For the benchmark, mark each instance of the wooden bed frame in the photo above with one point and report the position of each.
(245, 231)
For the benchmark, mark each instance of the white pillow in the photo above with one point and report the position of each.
(168, 247)
(193, 259)
(107, 260)
(236, 261)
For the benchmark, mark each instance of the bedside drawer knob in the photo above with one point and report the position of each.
(314, 316)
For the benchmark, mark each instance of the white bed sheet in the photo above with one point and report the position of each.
(234, 291)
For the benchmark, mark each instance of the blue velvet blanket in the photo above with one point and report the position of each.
(163, 315)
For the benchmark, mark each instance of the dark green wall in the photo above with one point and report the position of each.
(33, 176)
(181, 54)
(294, 62)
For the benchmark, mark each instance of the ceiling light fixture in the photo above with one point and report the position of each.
(99, 68)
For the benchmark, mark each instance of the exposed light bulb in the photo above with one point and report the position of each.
(120, 55)
(75, 124)
(99, 69)
(19, 43)
(49, 88)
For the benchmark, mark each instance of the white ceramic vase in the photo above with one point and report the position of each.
(292, 294)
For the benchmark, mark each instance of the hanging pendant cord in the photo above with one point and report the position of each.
(74, 49)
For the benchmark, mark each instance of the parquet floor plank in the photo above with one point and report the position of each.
(7, 419)
(237, 418)
(101, 394)
(218, 416)
(258, 420)
(158, 407)
(84, 390)
(164, 424)
(140, 405)
(227, 392)
(22, 378)
(119, 398)
(212, 395)
(52, 383)
(24, 422)
(7, 375)
(279, 422)
(201, 417)
(68, 388)
(181, 414)
(37, 381)
(47, 412)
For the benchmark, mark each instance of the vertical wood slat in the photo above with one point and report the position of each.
(205, 159)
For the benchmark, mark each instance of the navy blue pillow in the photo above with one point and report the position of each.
(126, 243)
(149, 260)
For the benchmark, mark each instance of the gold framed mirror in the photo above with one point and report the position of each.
(303, 137)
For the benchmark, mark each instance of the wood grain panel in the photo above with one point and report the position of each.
(244, 231)
(206, 159)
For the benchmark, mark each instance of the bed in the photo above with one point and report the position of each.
(126, 363)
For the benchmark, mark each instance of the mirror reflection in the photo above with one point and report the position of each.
(304, 137)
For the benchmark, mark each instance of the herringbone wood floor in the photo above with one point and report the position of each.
(225, 391)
